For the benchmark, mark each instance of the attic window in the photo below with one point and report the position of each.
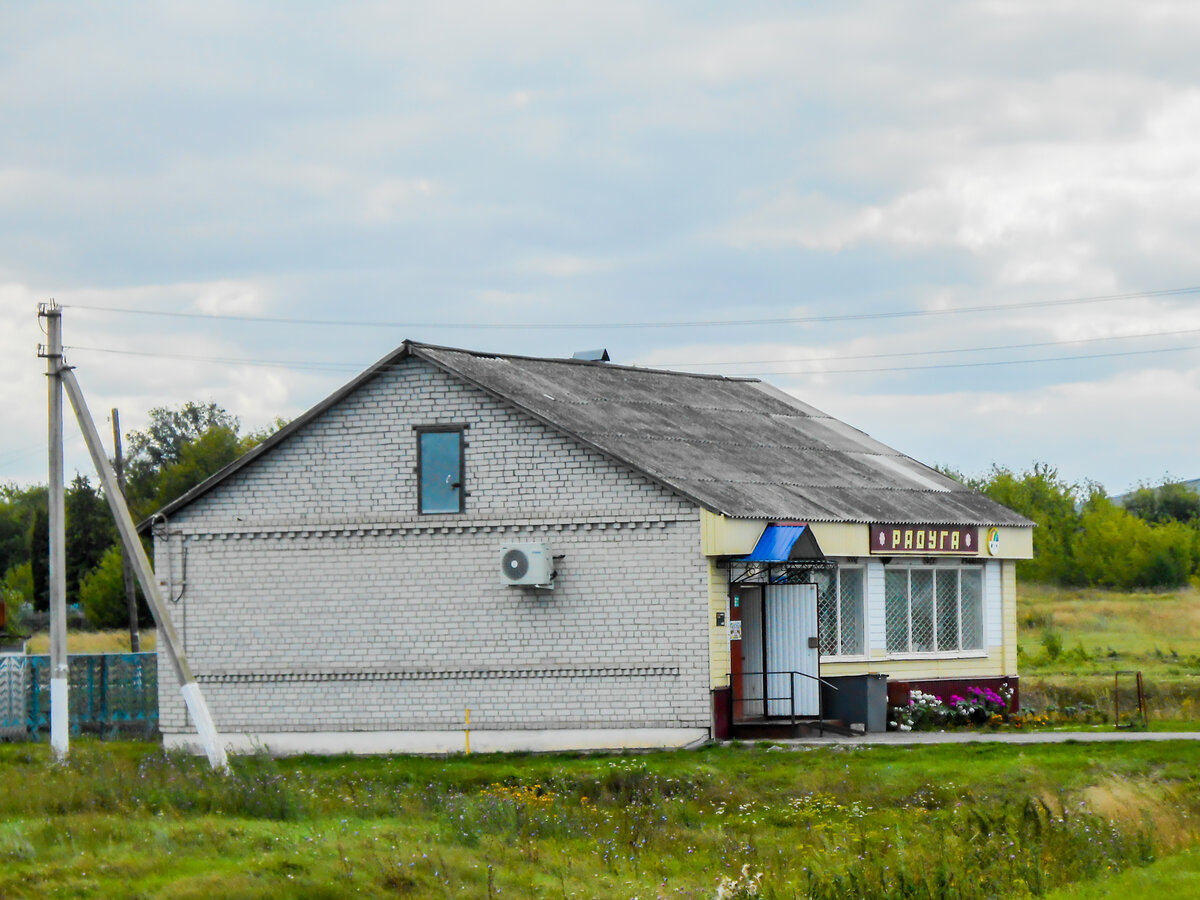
(440, 475)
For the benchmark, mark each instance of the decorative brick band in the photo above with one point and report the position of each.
(287, 532)
(446, 675)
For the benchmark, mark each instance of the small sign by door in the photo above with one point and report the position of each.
(735, 629)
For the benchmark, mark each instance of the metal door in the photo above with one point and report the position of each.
(790, 619)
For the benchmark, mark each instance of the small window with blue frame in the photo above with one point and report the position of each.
(440, 476)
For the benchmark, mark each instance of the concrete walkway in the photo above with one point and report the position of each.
(910, 738)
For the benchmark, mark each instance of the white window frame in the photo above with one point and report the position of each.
(938, 652)
(863, 620)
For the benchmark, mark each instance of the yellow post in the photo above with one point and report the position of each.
(467, 732)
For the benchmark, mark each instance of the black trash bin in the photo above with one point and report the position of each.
(858, 700)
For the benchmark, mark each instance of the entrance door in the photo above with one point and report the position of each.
(790, 623)
(746, 654)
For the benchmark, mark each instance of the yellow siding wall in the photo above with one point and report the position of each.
(721, 536)
(718, 635)
(842, 538)
(1015, 543)
(1008, 591)
(915, 669)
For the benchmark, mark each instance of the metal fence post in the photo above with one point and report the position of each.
(793, 699)
(35, 713)
(104, 690)
(1117, 700)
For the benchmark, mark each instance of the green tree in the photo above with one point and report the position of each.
(1041, 495)
(161, 445)
(1168, 502)
(17, 509)
(89, 528)
(38, 544)
(102, 594)
(16, 592)
(199, 458)
(1117, 549)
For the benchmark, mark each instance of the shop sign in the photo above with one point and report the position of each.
(924, 540)
(993, 543)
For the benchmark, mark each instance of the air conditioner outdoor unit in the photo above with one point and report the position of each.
(526, 564)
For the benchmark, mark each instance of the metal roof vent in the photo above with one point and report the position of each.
(600, 355)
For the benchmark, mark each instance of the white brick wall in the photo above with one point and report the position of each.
(316, 599)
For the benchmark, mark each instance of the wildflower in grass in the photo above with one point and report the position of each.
(744, 886)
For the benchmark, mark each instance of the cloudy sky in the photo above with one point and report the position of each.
(750, 188)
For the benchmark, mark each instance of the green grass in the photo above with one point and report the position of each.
(1071, 642)
(1100, 631)
(127, 820)
(1176, 876)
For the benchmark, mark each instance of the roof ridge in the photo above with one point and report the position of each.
(740, 379)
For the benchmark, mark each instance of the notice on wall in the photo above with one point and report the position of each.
(924, 540)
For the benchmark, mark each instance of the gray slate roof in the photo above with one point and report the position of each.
(735, 446)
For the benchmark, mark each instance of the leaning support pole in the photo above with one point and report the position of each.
(60, 738)
(167, 638)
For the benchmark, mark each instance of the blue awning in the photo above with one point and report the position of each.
(775, 543)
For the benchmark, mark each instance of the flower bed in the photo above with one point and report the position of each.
(980, 706)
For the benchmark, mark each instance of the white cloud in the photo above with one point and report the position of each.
(566, 266)
(135, 370)
(635, 160)
(1034, 209)
(1118, 430)
(231, 298)
(394, 195)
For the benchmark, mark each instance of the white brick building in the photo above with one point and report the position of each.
(339, 587)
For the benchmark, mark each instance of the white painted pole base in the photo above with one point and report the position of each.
(205, 729)
(60, 719)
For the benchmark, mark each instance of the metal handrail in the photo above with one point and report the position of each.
(766, 698)
(786, 672)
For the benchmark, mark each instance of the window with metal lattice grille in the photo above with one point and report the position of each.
(841, 620)
(933, 610)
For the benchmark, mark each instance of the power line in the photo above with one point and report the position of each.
(228, 360)
(814, 359)
(694, 323)
(10, 457)
(349, 367)
(972, 365)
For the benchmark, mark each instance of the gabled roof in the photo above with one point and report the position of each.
(735, 446)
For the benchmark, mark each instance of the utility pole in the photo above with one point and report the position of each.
(135, 643)
(59, 709)
(168, 640)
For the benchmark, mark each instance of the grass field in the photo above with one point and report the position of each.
(93, 641)
(1176, 876)
(1073, 641)
(1097, 631)
(126, 820)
